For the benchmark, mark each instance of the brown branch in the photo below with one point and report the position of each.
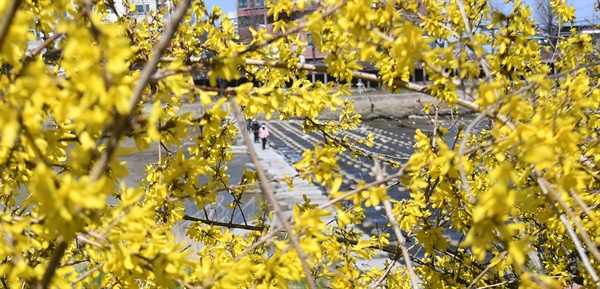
(402, 243)
(59, 251)
(223, 224)
(88, 241)
(225, 91)
(387, 271)
(84, 275)
(367, 186)
(51, 39)
(160, 75)
(7, 18)
(488, 268)
(39, 49)
(387, 249)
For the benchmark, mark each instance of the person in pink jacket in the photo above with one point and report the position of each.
(263, 133)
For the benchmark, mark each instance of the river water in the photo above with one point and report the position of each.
(393, 140)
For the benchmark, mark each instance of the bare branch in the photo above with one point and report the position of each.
(59, 251)
(358, 190)
(488, 268)
(226, 225)
(591, 245)
(7, 18)
(461, 152)
(402, 243)
(84, 275)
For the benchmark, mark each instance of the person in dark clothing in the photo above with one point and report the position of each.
(263, 134)
(255, 127)
(249, 125)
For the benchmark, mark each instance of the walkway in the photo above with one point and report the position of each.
(276, 166)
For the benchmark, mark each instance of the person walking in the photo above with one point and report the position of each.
(263, 134)
(255, 127)
(248, 125)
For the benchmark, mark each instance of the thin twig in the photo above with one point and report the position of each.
(88, 241)
(402, 243)
(461, 151)
(387, 271)
(435, 123)
(226, 225)
(488, 268)
(84, 275)
(581, 203)
(494, 285)
(591, 246)
(264, 239)
(293, 31)
(51, 39)
(358, 190)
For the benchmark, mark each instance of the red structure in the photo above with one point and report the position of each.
(253, 13)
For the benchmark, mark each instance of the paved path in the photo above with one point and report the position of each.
(276, 165)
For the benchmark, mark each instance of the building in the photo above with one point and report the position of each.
(232, 15)
(253, 13)
(590, 27)
(142, 8)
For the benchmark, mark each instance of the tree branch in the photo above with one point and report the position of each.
(402, 243)
(223, 224)
(591, 246)
(358, 190)
(488, 268)
(59, 251)
(84, 275)
(7, 18)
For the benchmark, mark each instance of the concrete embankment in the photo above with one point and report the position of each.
(375, 105)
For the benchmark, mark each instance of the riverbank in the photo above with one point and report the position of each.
(370, 105)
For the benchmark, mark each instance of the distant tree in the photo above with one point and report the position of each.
(546, 18)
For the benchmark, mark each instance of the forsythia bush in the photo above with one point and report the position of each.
(521, 194)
